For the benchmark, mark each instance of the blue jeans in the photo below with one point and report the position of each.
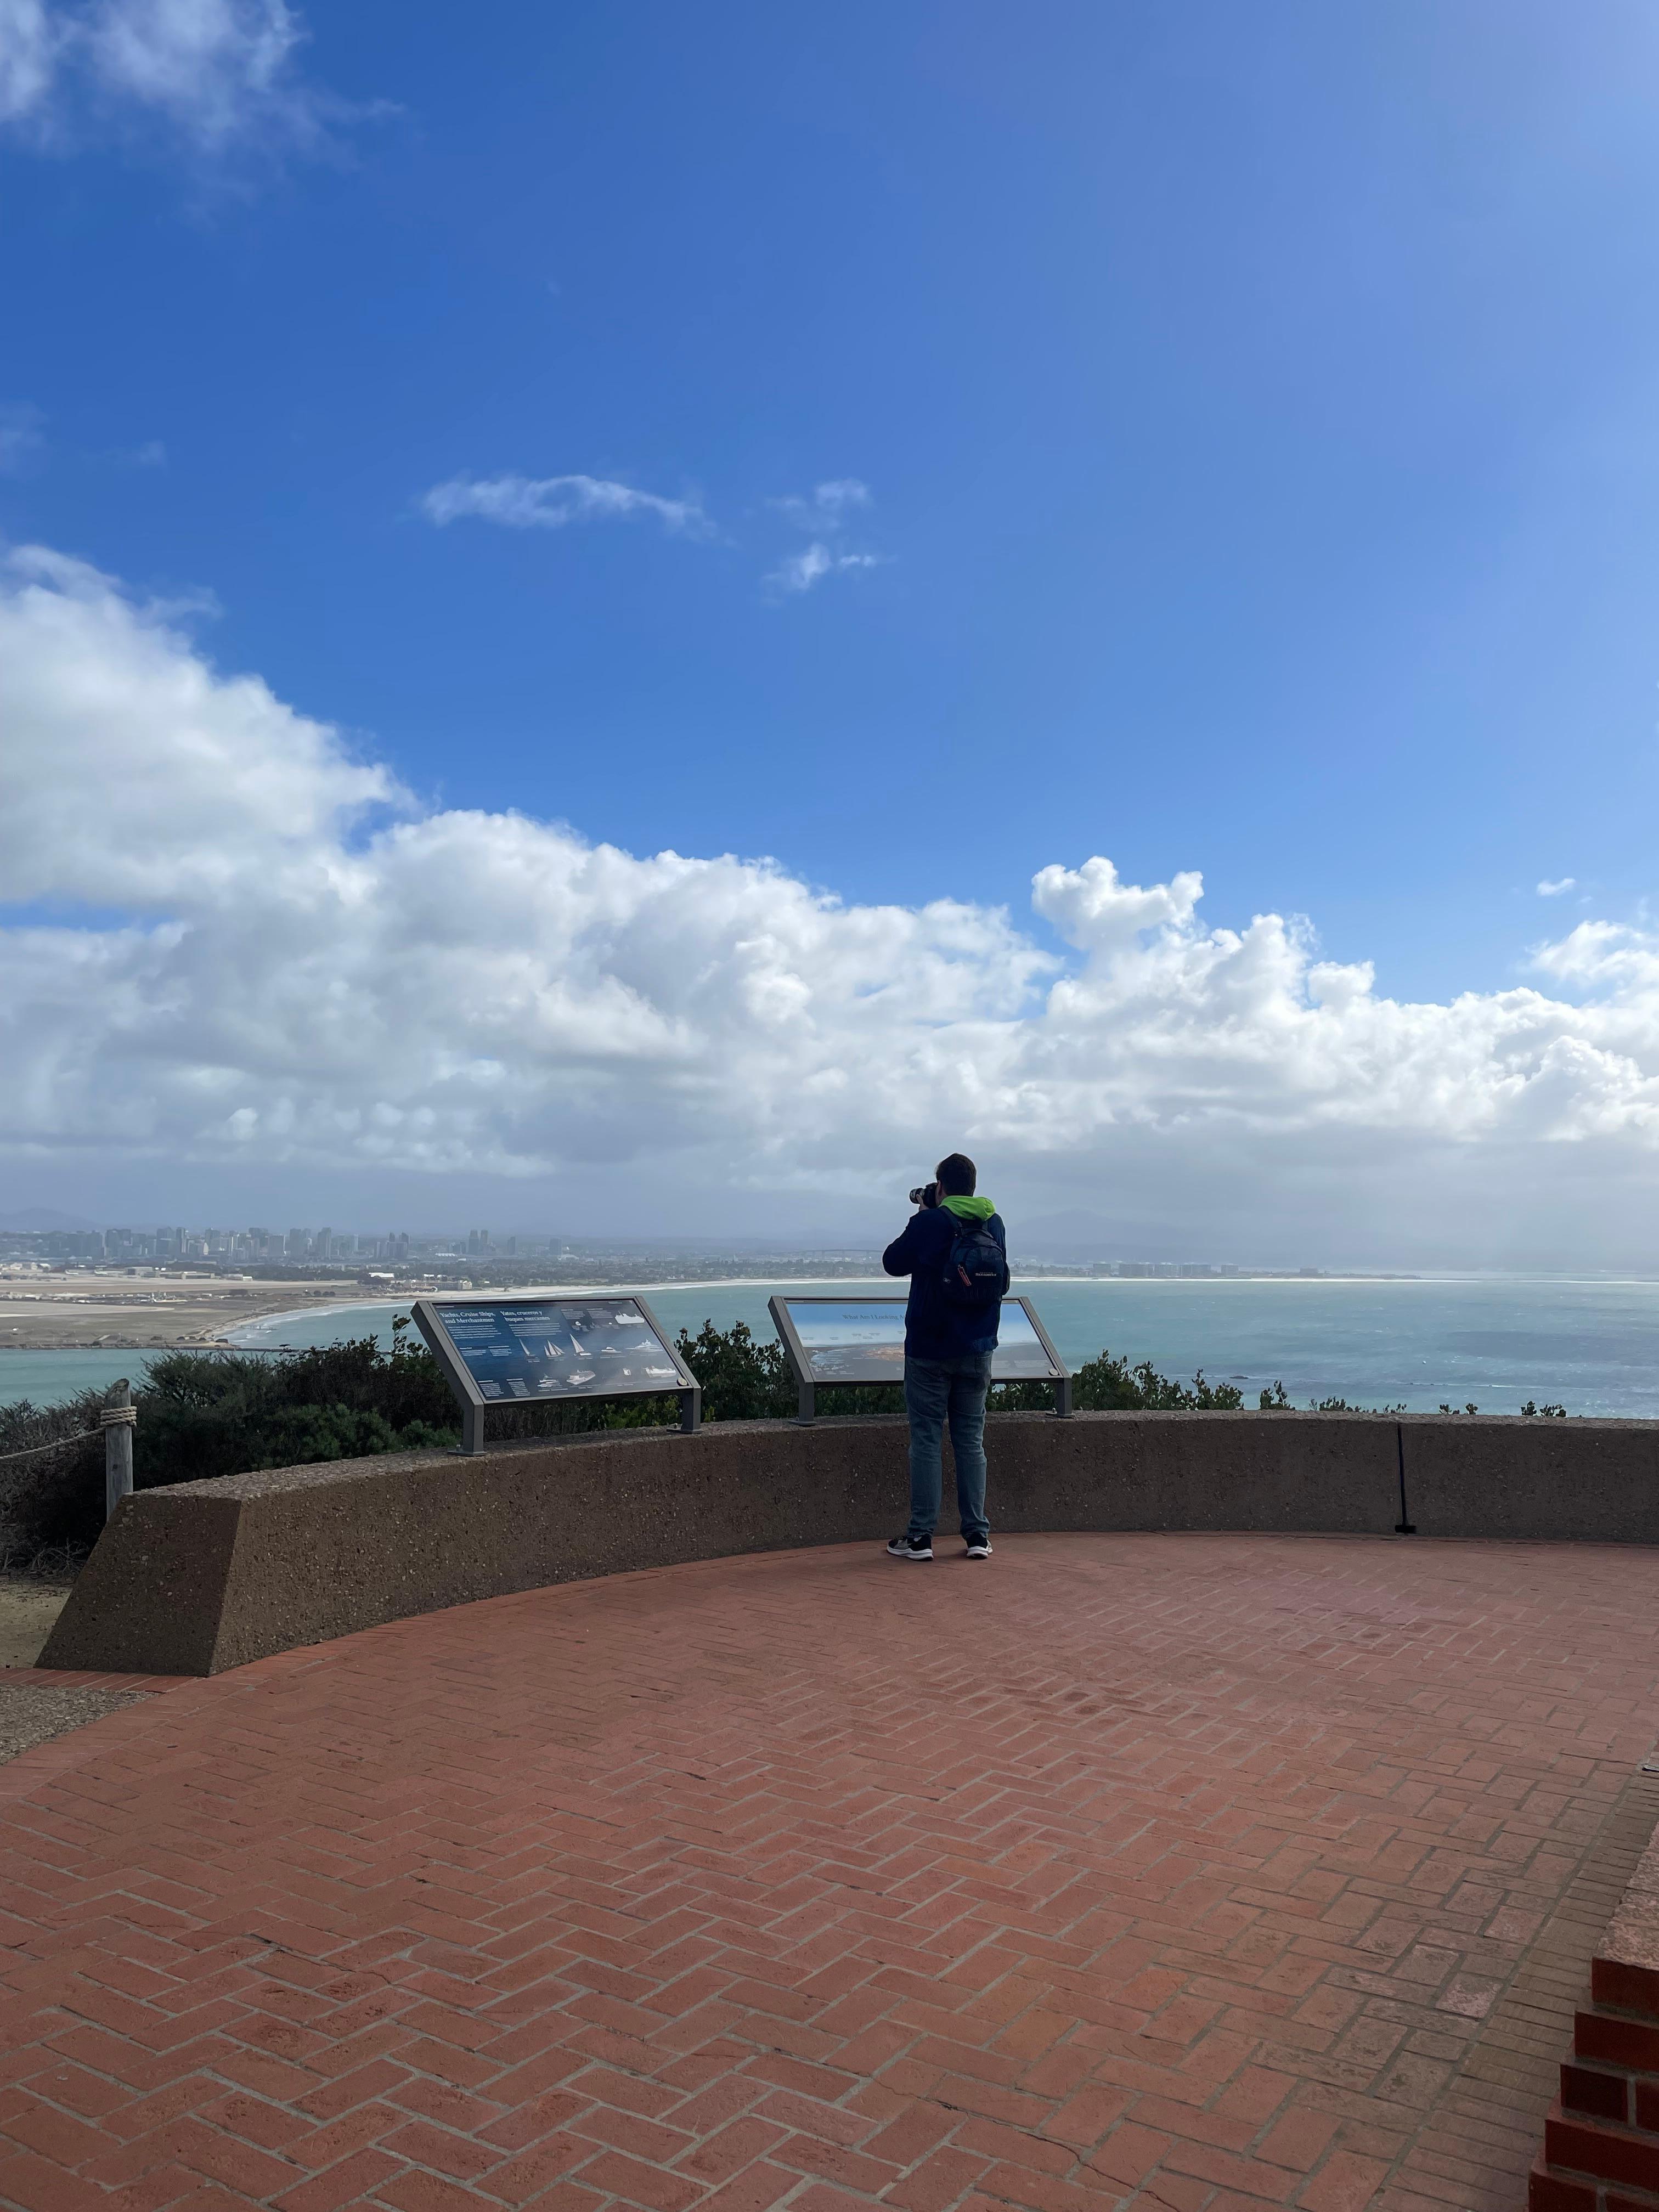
(935, 1390)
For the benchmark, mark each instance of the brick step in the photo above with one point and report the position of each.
(1614, 2039)
(1597, 2093)
(1611, 2092)
(1548, 2191)
(1629, 1987)
(1600, 2149)
(1602, 2140)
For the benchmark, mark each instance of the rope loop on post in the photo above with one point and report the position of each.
(118, 1417)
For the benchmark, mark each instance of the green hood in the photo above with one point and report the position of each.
(969, 1209)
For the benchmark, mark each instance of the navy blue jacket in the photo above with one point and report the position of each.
(933, 1328)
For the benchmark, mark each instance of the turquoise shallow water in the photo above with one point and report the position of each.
(47, 1377)
(1594, 1346)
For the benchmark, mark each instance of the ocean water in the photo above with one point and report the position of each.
(46, 1378)
(1592, 1346)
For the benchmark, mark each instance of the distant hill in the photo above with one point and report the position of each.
(42, 1217)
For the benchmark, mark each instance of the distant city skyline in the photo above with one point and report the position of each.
(409, 1254)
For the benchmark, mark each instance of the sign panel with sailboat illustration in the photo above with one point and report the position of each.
(507, 1351)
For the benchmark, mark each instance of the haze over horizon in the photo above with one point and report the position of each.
(639, 623)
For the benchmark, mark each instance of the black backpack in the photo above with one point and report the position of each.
(976, 1265)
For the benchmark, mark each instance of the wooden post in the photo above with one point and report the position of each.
(118, 1421)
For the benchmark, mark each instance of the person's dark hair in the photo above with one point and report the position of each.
(956, 1175)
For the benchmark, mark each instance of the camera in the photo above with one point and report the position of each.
(926, 1194)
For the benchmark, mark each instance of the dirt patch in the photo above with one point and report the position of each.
(29, 1715)
(32, 1709)
(27, 1610)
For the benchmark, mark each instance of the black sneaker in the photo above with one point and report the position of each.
(979, 1548)
(911, 1547)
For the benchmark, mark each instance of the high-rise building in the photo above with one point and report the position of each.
(72, 1245)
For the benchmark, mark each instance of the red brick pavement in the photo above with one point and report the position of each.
(1166, 1870)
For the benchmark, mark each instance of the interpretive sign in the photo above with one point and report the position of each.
(521, 1352)
(844, 1340)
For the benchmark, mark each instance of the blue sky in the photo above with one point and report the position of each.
(1252, 409)
(1254, 404)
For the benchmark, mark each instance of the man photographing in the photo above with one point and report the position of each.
(955, 1250)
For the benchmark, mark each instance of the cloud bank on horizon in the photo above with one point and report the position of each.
(227, 938)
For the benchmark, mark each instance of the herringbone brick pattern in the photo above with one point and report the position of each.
(1165, 1871)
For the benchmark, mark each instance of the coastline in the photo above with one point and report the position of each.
(237, 1336)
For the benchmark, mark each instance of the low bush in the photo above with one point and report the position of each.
(205, 1413)
(742, 1379)
(1106, 1385)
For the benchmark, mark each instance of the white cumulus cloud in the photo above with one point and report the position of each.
(226, 936)
(551, 502)
(218, 72)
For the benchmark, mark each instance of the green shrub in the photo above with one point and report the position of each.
(46, 1500)
(1278, 1400)
(1106, 1385)
(206, 1413)
(742, 1380)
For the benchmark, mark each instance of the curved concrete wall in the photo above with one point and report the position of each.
(196, 1578)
